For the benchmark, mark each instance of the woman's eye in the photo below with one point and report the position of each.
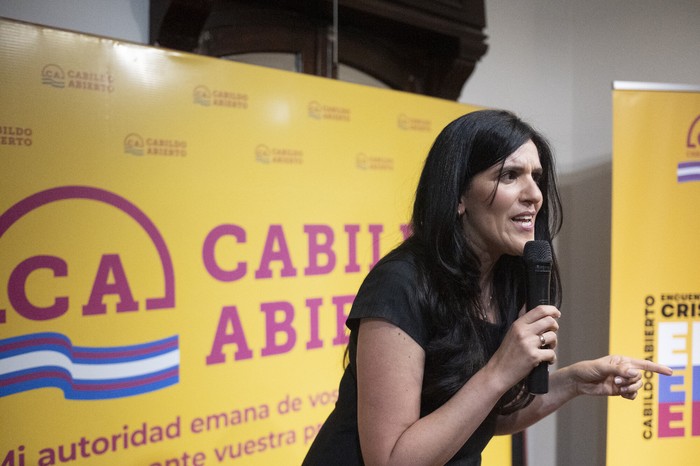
(509, 175)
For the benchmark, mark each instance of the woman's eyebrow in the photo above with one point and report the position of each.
(521, 167)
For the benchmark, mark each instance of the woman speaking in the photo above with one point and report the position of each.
(441, 342)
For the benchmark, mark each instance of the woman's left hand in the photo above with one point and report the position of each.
(613, 375)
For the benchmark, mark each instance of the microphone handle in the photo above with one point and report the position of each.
(538, 379)
(538, 293)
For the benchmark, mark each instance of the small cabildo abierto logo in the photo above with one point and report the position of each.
(205, 97)
(373, 162)
(262, 153)
(692, 141)
(53, 75)
(314, 110)
(201, 95)
(51, 359)
(319, 111)
(286, 156)
(409, 123)
(135, 144)
(16, 136)
(689, 170)
(84, 80)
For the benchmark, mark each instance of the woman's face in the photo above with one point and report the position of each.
(501, 223)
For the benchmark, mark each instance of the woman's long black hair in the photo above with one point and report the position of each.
(448, 268)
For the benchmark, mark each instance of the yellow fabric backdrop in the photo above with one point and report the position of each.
(180, 241)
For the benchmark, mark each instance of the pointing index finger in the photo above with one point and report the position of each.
(651, 366)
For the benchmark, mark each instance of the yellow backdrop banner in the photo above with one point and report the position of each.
(181, 238)
(655, 301)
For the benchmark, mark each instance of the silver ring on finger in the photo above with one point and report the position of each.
(543, 342)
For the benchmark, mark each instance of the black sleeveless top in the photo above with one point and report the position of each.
(388, 292)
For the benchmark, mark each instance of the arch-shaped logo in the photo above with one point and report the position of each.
(40, 199)
(693, 139)
(133, 144)
(201, 95)
(51, 359)
(53, 75)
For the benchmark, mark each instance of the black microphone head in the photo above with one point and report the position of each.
(537, 252)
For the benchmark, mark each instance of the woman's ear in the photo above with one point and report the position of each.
(461, 207)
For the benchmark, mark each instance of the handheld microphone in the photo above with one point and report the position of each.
(538, 261)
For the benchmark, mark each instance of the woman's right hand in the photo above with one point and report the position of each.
(530, 340)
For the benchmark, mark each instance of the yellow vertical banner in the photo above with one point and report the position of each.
(181, 238)
(655, 280)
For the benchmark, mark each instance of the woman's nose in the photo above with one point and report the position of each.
(531, 193)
